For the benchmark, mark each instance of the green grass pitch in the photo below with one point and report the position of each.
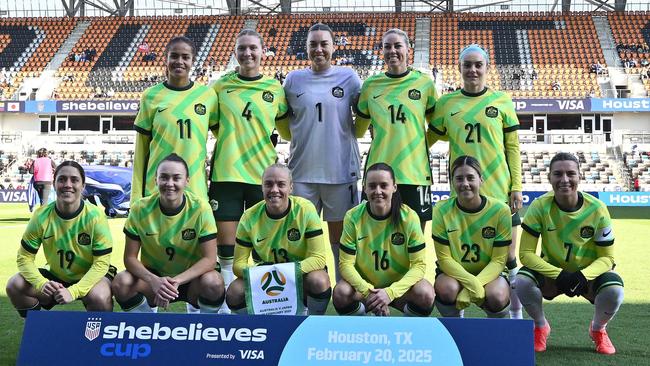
(569, 343)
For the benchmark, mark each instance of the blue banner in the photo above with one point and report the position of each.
(624, 199)
(528, 196)
(552, 105)
(40, 106)
(147, 339)
(620, 105)
(13, 195)
(95, 106)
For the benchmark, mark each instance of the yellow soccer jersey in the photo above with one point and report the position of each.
(472, 236)
(483, 125)
(382, 255)
(70, 243)
(570, 240)
(173, 120)
(296, 236)
(170, 241)
(397, 107)
(248, 109)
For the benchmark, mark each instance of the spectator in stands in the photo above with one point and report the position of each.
(461, 281)
(289, 50)
(637, 185)
(556, 85)
(499, 153)
(533, 75)
(77, 245)
(279, 75)
(578, 255)
(273, 32)
(43, 168)
(110, 93)
(379, 105)
(249, 103)
(185, 269)
(330, 184)
(397, 280)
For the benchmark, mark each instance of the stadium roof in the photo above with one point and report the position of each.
(58, 8)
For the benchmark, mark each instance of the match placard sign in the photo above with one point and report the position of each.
(201, 339)
(274, 289)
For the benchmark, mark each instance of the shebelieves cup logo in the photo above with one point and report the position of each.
(273, 282)
(93, 328)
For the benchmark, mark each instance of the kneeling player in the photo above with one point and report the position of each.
(280, 229)
(77, 244)
(577, 254)
(177, 235)
(382, 254)
(471, 233)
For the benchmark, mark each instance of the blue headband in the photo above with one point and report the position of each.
(474, 48)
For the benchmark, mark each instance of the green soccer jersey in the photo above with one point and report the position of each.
(170, 241)
(397, 106)
(174, 121)
(279, 239)
(69, 242)
(248, 109)
(381, 249)
(476, 125)
(472, 235)
(569, 239)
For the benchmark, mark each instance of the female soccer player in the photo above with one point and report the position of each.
(482, 123)
(281, 229)
(397, 104)
(176, 233)
(77, 244)
(324, 158)
(249, 105)
(471, 233)
(174, 117)
(577, 254)
(382, 259)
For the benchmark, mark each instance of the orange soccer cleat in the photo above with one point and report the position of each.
(601, 339)
(541, 334)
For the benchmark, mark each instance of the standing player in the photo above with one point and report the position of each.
(382, 259)
(398, 103)
(281, 229)
(577, 254)
(249, 105)
(174, 117)
(482, 123)
(471, 233)
(177, 235)
(324, 158)
(77, 244)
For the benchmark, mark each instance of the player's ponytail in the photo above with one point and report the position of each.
(396, 199)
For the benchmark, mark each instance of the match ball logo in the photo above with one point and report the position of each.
(293, 234)
(491, 112)
(273, 282)
(415, 94)
(587, 232)
(489, 232)
(93, 328)
(267, 96)
(189, 234)
(83, 239)
(199, 109)
(338, 92)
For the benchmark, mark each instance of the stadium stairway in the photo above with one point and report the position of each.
(67, 46)
(207, 33)
(422, 42)
(131, 51)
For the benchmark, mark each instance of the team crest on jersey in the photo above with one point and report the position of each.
(267, 96)
(189, 234)
(93, 328)
(199, 109)
(587, 232)
(489, 232)
(397, 239)
(83, 239)
(338, 92)
(491, 112)
(293, 234)
(415, 94)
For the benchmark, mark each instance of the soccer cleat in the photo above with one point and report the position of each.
(541, 334)
(603, 343)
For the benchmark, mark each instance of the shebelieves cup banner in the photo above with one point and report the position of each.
(90, 338)
(274, 289)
